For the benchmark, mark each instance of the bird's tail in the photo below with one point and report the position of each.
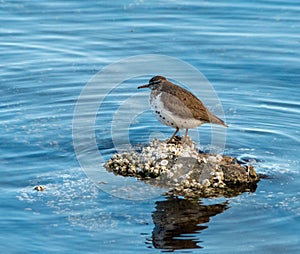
(216, 120)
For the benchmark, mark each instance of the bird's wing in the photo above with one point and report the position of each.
(184, 103)
(187, 105)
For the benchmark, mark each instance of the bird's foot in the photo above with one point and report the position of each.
(175, 140)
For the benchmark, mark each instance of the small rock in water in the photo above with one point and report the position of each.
(40, 188)
(185, 171)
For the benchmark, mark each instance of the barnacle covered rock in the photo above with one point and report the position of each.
(184, 170)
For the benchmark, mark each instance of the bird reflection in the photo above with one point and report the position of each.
(178, 222)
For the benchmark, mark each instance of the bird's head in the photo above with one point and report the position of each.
(154, 83)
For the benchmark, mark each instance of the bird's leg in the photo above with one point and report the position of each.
(185, 136)
(177, 129)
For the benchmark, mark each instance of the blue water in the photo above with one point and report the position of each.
(51, 49)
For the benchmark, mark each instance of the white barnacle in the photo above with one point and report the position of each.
(163, 169)
(172, 149)
(177, 152)
(219, 157)
(205, 183)
(212, 159)
(162, 155)
(133, 169)
(156, 171)
(164, 162)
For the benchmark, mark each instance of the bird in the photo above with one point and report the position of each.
(177, 107)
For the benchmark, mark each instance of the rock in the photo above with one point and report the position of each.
(185, 171)
(40, 188)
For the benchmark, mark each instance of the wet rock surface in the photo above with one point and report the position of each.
(184, 170)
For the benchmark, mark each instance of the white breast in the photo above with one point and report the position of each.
(169, 118)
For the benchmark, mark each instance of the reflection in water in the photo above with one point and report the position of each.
(178, 222)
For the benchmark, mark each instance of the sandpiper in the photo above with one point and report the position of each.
(176, 107)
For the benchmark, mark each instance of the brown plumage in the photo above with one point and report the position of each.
(177, 107)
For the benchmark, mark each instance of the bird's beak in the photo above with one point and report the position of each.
(144, 86)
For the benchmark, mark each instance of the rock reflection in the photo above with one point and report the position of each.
(178, 222)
